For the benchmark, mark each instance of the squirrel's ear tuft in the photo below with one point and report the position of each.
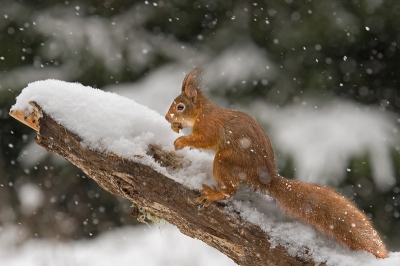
(193, 78)
(191, 83)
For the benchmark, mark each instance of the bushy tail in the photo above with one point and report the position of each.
(329, 212)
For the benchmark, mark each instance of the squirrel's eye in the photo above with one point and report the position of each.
(180, 107)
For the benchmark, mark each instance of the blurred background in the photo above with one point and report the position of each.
(321, 78)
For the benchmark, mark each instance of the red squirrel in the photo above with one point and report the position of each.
(244, 154)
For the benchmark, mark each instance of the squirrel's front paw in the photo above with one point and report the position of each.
(179, 144)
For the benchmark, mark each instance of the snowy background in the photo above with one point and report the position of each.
(319, 77)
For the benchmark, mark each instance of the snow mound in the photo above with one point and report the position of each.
(105, 121)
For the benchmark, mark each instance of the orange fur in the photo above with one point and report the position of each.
(244, 154)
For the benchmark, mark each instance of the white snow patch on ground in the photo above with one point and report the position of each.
(125, 246)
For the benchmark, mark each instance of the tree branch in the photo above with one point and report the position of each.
(155, 193)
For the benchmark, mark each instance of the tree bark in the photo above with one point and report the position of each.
(154, 193)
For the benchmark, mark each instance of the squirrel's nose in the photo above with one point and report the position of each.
(167, 117)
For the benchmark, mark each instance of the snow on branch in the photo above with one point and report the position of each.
(127, 149)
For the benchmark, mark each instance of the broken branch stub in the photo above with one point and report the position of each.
(31, 119)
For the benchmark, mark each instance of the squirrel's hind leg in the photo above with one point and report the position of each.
(209, 195)
(227, 184)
